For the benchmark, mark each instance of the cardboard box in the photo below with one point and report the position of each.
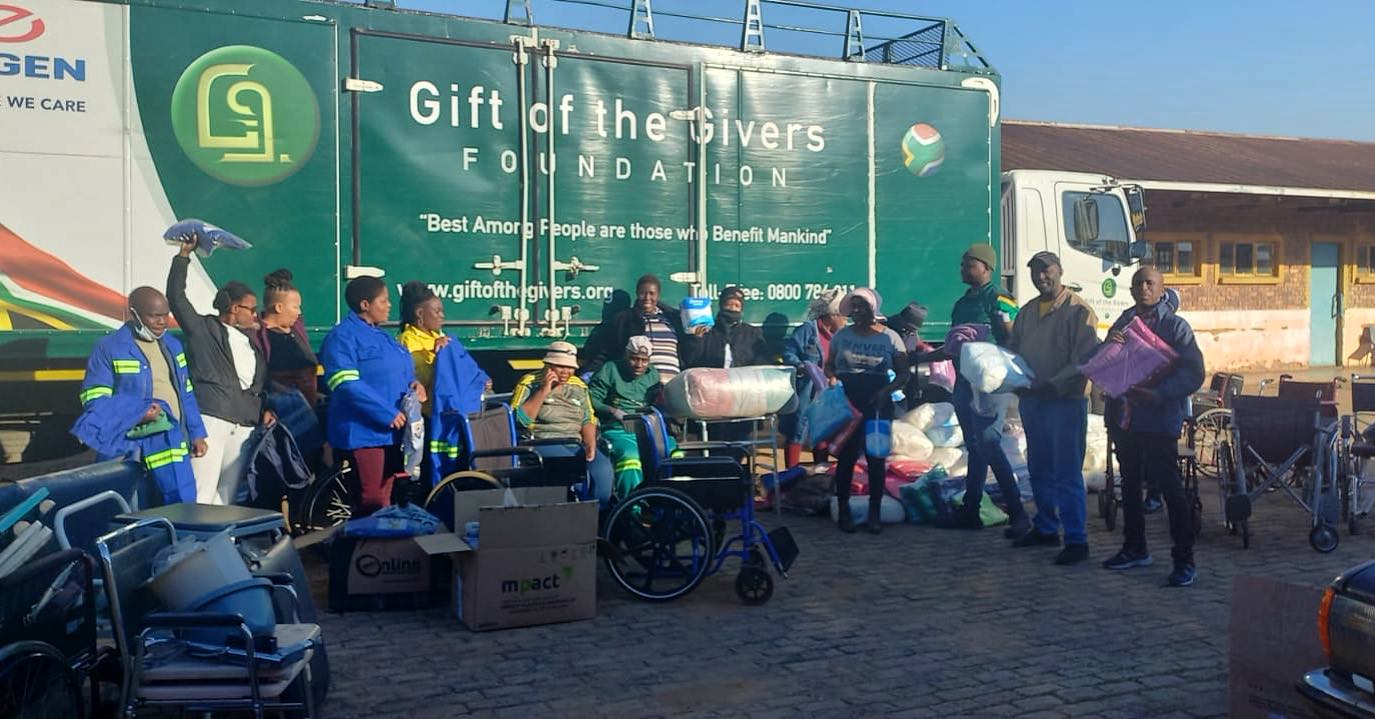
(368, 574)
(1272, 640)
(535, 563)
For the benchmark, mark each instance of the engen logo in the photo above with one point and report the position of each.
(19, 24)
(245, 115)
(371, 567)
(534, 584)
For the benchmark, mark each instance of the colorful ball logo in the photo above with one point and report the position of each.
(923, 150)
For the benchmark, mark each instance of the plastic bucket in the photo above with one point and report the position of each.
(250, 599)
(212, 563)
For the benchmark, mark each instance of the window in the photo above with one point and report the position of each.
(1248, 260)
(1113, 237)
(1178, 256)
(1363, 260)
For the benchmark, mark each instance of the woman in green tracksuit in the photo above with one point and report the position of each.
(627, 386)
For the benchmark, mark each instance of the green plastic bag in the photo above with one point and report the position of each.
(157, 425)
(989, 513)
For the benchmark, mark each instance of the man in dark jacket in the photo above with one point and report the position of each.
(1145, 429)
(648, 317)
(228, 372)
(730, 342)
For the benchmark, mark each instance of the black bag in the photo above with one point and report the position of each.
(275, 466)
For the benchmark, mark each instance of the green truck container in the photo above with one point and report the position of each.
(525, 173)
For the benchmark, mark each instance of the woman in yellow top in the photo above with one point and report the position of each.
(422, 325)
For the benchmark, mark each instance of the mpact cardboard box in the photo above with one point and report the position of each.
(535, 563)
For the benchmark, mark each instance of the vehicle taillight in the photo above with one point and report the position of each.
(1324, 613)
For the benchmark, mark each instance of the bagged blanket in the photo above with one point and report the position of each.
(932, 414)
(945, 436)
(910, 443)
(962, 334)
(830, 413)
(1119, 366)
(890, 510)
(207, 236)
(710, 393)
(942, 375)
(954, 459)
(992, 369)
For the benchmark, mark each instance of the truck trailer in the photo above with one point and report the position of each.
(527, 174)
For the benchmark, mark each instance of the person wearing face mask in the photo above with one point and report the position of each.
(368, 374)
(229, 373)
(809, 343)
(628, 386)
(282, 337)
(1145, 426)
(861, 357)
(137, 399)
(731, 342)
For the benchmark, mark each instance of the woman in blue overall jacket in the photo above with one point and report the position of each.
(368, 373)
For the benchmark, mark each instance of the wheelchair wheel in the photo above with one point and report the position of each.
(326, 504)
(1323, 538)
(1110, 511)
(1196, 513)
(1211, 430)
(37, 683)
(661, 544)
(440, 500)
(753, 585)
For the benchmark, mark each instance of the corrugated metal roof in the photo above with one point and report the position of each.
(1187, 156)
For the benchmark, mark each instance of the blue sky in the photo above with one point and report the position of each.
(1263, 67)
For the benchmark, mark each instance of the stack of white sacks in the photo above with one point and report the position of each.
(931, 433)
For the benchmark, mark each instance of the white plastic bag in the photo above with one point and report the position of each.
(890, 511)
(933, 414)
(953, 459)
(992, 369)
(910, 442)
(945, 436)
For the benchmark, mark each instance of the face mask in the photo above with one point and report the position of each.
(730, 317)
(143, 332)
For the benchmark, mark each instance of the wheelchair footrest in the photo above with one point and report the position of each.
(1238, 508)
(786, 547)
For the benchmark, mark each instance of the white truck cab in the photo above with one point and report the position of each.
(1093, 223)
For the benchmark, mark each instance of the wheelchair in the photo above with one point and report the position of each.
(1356, 447)
(1285, 444)
(1110, 498)
(668, 534)
(492, 455)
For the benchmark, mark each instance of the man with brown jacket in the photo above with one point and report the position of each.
(1051, 333)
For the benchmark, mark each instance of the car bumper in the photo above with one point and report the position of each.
(1337, 694)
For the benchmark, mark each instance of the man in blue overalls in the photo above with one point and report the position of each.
(138, 401)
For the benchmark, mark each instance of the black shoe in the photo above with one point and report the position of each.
(1126, 559)
(1183, 575)
(873, 524)
(1017, 527)
(1152, 505)
(1034, 538)
(1072, 554)
(844, 519)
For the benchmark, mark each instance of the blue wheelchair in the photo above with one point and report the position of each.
(661, 540)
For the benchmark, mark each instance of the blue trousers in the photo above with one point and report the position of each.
(983, 442)
(598, 470)
(1055, 437)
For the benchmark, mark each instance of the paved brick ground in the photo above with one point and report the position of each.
(917, 622)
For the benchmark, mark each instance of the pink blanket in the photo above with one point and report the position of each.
(1119, 366)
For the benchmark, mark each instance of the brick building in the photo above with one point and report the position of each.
(1270, 241)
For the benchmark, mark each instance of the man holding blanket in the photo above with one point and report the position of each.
(1145, 426)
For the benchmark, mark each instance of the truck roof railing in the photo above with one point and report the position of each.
(798, 27)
